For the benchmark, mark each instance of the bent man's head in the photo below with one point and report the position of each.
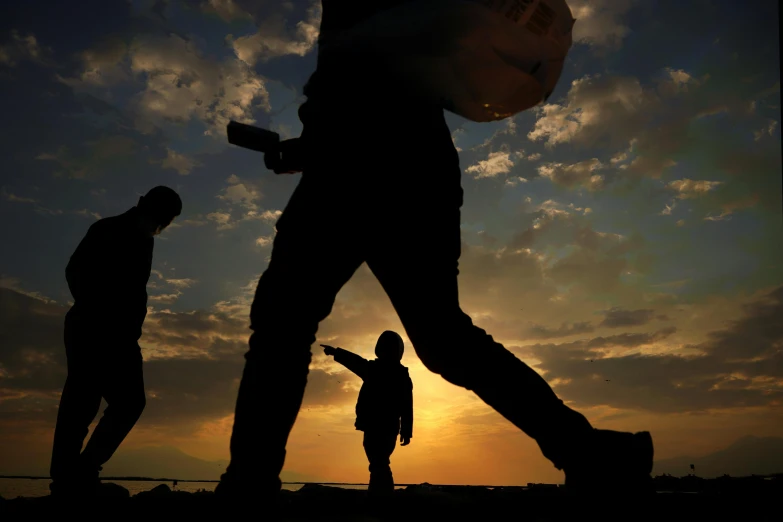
(389, 346)
(158, 208)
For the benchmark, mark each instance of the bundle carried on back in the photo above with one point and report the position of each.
(482, 59)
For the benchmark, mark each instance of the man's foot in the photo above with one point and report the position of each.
(237, 495)
(614, 462)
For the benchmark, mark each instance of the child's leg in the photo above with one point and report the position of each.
(378, 446)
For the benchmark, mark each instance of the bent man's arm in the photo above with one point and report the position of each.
(356, 363)
(406, 424)
(87, 266)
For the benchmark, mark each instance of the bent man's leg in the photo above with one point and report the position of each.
(122, 385)
(79, 404)
(314, 254)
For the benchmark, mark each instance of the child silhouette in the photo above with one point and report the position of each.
(385, 405)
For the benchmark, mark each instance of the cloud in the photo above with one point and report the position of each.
(727, 209)
(181, 283)
(592, 104)
(32, 357)
(688, 188)
(240, 193)
(646, 129)
(570, 253)
(667, 211)
(94, 158)
(228, 10)
(579, 174)
(84, 212)
(222, 219)
(241, 197)
(755, 336)
(20, 48)
(768, 130)
(176, 288)
(164, 298)
(178, 82)
(617, 111)
(617, 317)
(456, 134)
(677, 81)
(738, 366)
(198, 390)
(270, 216)
(514, 181)
(10, 196)
(264, 241)
(498, 162)
(103, 65)
(599, 23)
(12, 283)
(565, 330)
(179, 162)
(196, 221)
(181, 84)
(43, 210)
(275, 36)
(691, 189)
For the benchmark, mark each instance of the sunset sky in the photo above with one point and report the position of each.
(624, 239)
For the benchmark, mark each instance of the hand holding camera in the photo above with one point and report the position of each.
(281, 157)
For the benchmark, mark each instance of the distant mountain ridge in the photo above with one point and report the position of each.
(747, 456)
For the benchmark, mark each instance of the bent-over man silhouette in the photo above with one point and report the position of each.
(381, 185)
(107, 276)
(385, 405)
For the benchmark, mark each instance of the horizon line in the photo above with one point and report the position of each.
(529, 484)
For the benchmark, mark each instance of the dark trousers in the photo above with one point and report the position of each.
(109, 370)
(389, 197)
(379, 446)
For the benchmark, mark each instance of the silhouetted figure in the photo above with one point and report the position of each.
(381, 185)
(107, 276)
(385, 405)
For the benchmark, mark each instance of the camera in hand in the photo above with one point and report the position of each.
(281, 157)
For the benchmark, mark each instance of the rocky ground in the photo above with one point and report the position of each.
(751, 500)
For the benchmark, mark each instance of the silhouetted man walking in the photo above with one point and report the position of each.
(385, 405)
(107, 276)
(381, 184)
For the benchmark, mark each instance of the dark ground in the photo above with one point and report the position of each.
(753, 499)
